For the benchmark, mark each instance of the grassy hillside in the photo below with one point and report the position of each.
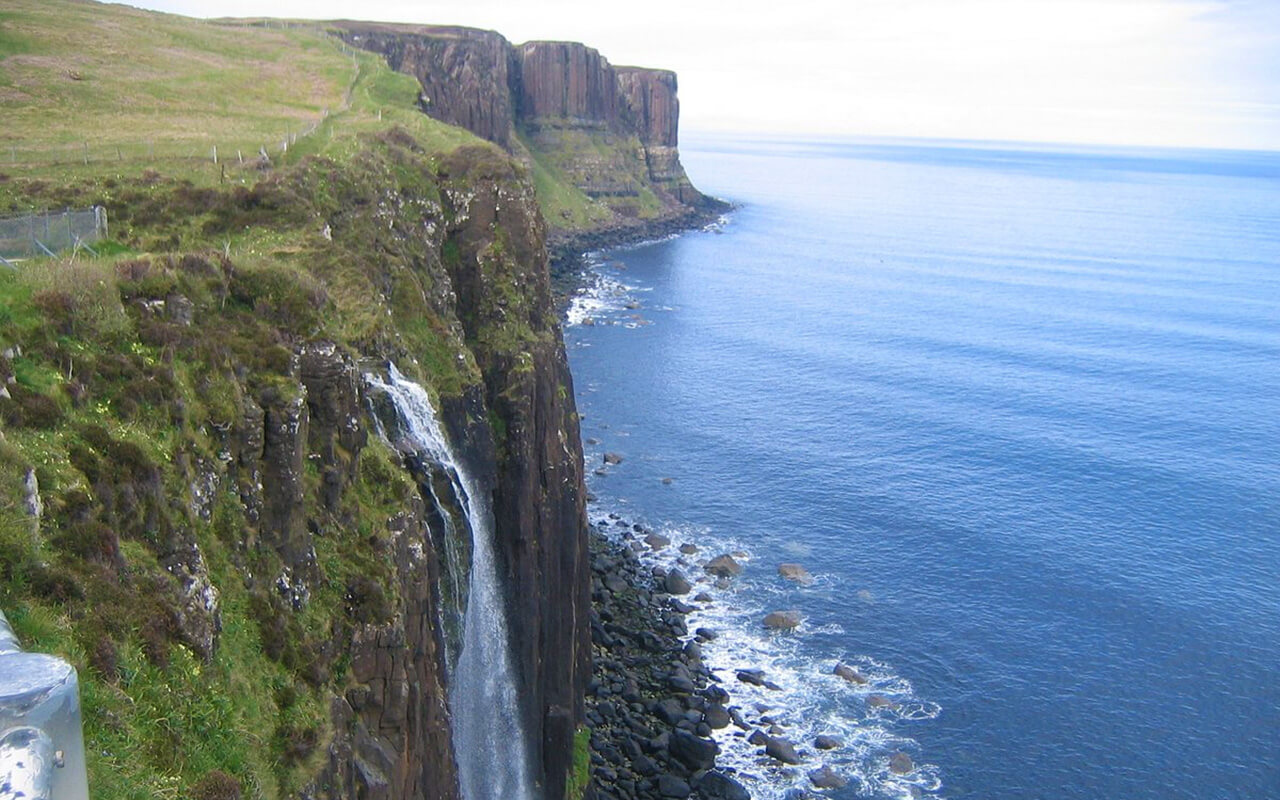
(93, 90)
(126, 376)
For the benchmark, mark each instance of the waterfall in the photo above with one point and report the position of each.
(488, 737)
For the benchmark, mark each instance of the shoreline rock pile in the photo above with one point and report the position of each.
(655, 709)
(651, 705)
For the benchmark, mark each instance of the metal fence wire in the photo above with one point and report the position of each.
(50, 232)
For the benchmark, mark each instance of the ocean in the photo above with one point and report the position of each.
(1017, 413)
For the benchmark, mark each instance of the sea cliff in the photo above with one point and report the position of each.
(600, 141)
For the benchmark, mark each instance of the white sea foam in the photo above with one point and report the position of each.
(604, 297)
(600, 298)
(810, 699)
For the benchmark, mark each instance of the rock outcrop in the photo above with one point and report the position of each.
(202, 497)
(606, 136)
(465, 73)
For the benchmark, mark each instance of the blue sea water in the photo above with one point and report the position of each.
(1017, 411)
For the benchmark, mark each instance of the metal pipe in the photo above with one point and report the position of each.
(27, 762)
(41, 740)
(8, 641)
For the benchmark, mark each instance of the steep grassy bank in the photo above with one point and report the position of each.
(195, 507)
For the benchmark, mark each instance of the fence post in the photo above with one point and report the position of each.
(215, 154)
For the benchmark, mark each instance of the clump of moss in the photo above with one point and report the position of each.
(579, 777)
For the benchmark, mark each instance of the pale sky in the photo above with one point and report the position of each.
(1201, 73)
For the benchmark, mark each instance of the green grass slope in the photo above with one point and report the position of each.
(90, 90)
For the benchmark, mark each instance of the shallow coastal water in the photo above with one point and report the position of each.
(1016, 411)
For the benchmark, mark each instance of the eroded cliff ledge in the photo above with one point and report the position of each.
(601, 141)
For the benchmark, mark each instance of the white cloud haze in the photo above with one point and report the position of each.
(1158, 72)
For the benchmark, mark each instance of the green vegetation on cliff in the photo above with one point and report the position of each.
(188, 512)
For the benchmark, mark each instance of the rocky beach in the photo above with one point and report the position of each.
(656, 710)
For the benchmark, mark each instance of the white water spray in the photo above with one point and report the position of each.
(488, 737)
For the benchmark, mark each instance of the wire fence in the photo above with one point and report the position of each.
(23, 157)
(48, 232)
(239, 153)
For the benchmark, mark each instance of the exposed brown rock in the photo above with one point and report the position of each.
(465, 73)
(795, 572)
(827, 778)
(566, 84)
(782, 620)
(724, 566)
(901, 764)
(539, 500)
(562, 100)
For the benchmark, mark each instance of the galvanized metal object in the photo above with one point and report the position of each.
(41, 741)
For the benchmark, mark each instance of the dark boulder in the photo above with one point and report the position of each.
(671, 786)
(849, 674)
(724, 566)
(755, 677)
(716, 716)
(780, 749)
(656, 541)
(693, 751)
(782, 620)
(827, 778)
(715, 785)
(676, 583)
(901, 764)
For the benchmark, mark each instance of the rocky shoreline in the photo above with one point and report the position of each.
(567, 251)
(651, 704)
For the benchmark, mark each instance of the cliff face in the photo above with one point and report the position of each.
(228, 511)
(465, 75)
(600, 140)
(539, 502)
(650, 95)
(565, 84)
(206, 504)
